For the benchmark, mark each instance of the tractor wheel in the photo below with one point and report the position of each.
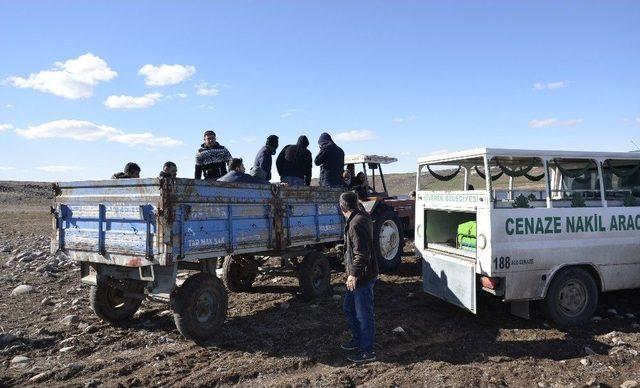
(388, 240)
(314, 275)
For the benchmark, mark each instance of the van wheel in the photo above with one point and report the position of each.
(314, 275)
(200, 306)
(388, 240)
(239, 272)
(110, 303)
(572, 297)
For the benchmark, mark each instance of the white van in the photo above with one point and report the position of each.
(529, 225)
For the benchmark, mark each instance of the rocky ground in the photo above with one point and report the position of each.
(272, 337)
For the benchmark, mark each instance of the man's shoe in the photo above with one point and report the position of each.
(351, 345)
(362, 357)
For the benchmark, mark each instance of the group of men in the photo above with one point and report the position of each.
(294, 167)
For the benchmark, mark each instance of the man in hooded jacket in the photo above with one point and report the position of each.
(331, 162)
(263, 158)
(294, 163)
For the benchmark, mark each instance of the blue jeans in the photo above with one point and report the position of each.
(358, 309)
(292, 180)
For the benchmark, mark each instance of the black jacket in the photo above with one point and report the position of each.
(331, 162)
(212, 162)
(119, 175)
(295, 160)
(240, 177)
(359, 254)
(263, 160)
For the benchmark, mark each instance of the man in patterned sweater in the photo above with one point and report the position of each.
(212, 158)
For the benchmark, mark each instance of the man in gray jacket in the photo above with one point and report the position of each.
(362, 272)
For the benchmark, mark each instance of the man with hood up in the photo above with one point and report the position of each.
(331, 162)
(263, 158)
(212, 158)
(294, 163)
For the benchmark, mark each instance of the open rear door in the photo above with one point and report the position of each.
(451, 278)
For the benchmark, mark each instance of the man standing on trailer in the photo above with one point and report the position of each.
(331, 162)
(212, 158)
(294, 163)
(263, 158)
(362, 272)
(131, 170)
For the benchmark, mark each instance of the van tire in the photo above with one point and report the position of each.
(388, 239)
(200, 307)
(572, 297)
(239, 272)
(314, 275)
(109, 303)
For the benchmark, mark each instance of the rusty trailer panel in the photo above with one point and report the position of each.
(139, 222)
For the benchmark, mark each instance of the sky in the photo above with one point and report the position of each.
(86, 87)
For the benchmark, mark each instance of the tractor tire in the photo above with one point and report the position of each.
(572, 297)
(388, 240)
(200, 307)
(109, 302)
(314, 275)
(239, 272)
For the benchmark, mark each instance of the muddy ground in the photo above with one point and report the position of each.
(273, 337)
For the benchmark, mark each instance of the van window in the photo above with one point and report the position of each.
(621, 182)
(517, 182)
(445, 177)
(575, 182)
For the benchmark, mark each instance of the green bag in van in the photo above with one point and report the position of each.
(467, 233)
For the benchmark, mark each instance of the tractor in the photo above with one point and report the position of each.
(392, 216)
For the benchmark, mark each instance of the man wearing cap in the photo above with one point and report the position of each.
(212, 158)
(263, 158)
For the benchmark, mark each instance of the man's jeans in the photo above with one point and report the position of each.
(292, 180)
(358, 309)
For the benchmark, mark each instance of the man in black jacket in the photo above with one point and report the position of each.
(331, 162)
(131, 170)
(169, 171)
(263, 158)
(362, 272)
(294, 163)
(212, 158)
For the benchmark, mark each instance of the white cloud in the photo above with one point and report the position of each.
(58, 168)
(206, 107)
(537, 123)
(290, 113)
(166, 74)
(4, 127)
(405, 153)
(7, 168)
(181, 95)
(355, 135)
(73, 78)
(638, 120)
(411, 117)
(80, 130)
(550, 85)
(129, 102)
(204, 89)
(8, 106)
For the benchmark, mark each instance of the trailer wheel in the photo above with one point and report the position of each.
(200, 306)
(239, 272)
(110, 303)
(572, 297)
(314, 275)
(388, 240)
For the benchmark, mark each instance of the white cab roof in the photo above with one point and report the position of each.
(518, 153)
(361, 158)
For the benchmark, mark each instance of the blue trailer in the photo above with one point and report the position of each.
(133, 236)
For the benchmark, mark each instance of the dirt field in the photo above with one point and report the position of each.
(273, 337)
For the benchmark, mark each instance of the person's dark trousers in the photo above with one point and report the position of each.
(292, 180)
(358, 309)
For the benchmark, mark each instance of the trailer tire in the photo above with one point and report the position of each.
(239, 272)
(388, 239)
(109, 303)
(572, 297)
(314, 275)
(200, 307)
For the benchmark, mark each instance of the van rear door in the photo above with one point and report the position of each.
(451, 277)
